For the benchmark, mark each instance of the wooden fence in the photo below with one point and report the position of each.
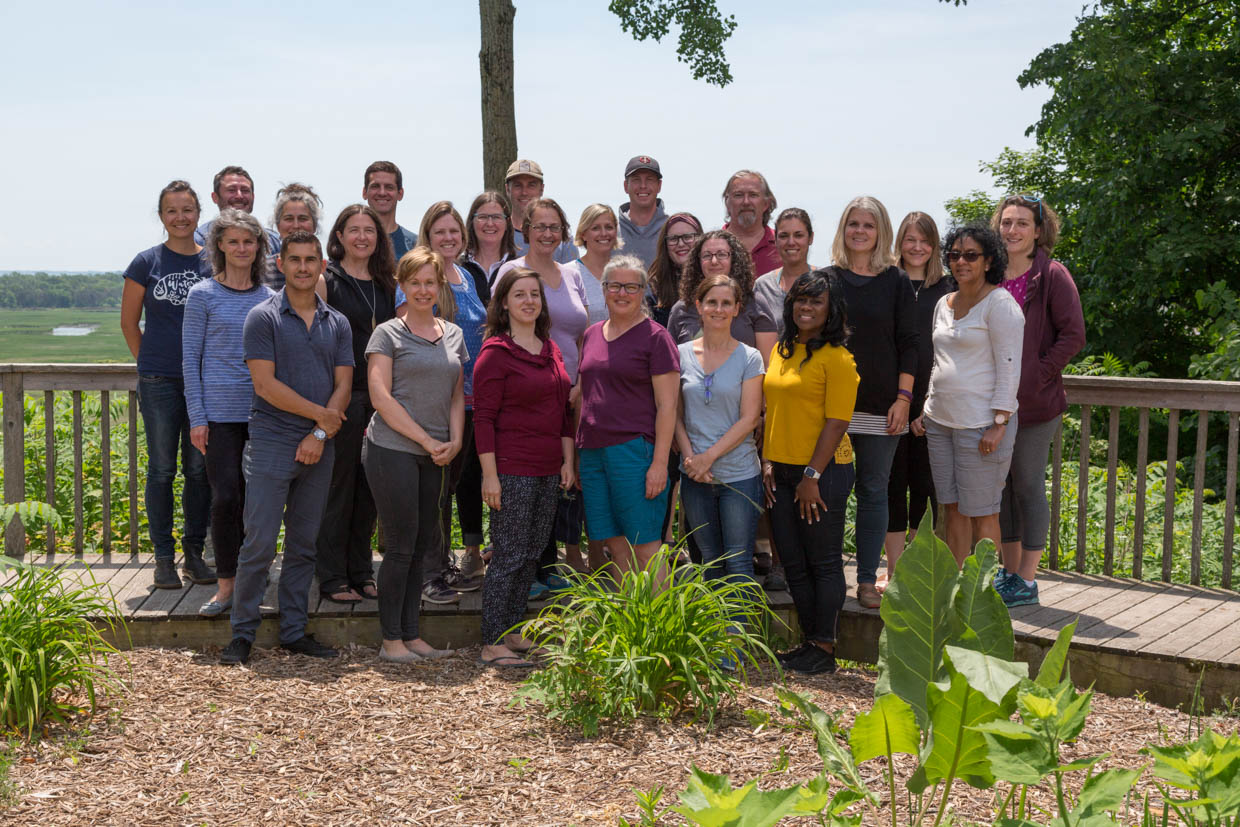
(1088, 393)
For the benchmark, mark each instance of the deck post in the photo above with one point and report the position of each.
(14, 460)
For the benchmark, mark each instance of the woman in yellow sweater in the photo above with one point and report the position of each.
(807, 468)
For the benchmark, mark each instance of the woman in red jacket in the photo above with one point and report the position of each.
(523, 429)
(1054, 333)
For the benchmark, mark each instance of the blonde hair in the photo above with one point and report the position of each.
(926, 226)
(419, 257)
(591, 214)
(881, 258)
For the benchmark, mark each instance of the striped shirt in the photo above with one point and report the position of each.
(217, 381)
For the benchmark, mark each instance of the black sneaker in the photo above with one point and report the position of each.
(166, 576)
(308, 646)
(784, 657)
(814, 662)
(439, 592)
(457, 580)
(237, 651)
(196, 569)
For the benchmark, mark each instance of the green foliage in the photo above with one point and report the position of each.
(26, 335)
(976, 206)
(703, 31)
(1210, 769)
(653, 645)
(61, 290)
(54, 657)
(710, 800)
(1222, 335)
(889, 727)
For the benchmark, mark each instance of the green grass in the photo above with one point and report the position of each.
(26, 335)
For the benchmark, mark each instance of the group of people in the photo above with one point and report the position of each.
(563, 378)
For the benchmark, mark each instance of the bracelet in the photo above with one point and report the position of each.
(907, 396)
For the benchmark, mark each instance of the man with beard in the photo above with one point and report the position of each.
(382, 187)
(750, 203)
(233, 187)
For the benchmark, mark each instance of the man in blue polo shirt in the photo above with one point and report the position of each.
(383, 188)
(300, 355)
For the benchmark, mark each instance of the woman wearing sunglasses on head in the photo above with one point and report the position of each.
(969, 419)
(1054, 333)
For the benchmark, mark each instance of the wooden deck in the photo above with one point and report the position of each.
(1132, 636)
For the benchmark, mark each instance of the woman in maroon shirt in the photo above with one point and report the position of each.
(523, 430)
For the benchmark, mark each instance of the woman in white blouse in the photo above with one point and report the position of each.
(970, 414)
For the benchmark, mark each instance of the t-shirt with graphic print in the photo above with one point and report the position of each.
(166, 276)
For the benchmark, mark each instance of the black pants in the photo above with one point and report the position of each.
(225, 446)
(343, 547)
(527, 514)
(813, 553)
(406, 490)
(465, 482)
(911, 486)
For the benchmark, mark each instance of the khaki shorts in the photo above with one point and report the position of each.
(962, 474)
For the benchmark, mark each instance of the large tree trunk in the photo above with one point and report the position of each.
(499, 120)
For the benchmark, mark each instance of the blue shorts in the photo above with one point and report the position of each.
(613, 482)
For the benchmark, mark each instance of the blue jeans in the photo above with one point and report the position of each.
(874, 455)
(162, 402)
(724, 519)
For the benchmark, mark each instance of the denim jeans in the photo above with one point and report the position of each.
(813, 553)
(724, 519)
(162, 402)
(874, 455)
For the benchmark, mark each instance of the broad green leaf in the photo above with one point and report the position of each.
(836, 760)
(919, 619)
(954, 750)
(980, 607)
(710, 801)
(1105, 791)
(1052, 668)
(1073, 710)
(993, 677)
(889, 727)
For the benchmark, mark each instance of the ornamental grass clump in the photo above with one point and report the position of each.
(53, 655)
(651, 644)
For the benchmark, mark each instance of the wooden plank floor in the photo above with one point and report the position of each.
(1156, 638)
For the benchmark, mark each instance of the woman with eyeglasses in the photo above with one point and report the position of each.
(794, 233)
(1054, 334)
(919, 254)
(298, 207)
(546, 228)
(969, 419)
(488, 236)
(630, 377)
(720, 406)
(882, 311)
(676, 240)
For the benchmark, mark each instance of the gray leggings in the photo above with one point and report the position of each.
(1025, 515)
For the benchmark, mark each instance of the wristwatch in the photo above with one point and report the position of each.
(319, 434)
(812, 473)
(1002, 418)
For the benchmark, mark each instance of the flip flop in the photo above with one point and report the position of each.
(345, 601)
(506, 662)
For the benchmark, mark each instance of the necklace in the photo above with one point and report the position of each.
(371, 302)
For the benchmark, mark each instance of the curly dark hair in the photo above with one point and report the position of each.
(992, 246)
(741, 269)
(835, 332)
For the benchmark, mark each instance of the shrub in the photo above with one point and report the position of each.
(648, 647)
(52, 656)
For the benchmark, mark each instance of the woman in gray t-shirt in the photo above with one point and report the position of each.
(720, 405)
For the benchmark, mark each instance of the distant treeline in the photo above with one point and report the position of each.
(60, 290)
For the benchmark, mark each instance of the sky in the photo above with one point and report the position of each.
(104, 103)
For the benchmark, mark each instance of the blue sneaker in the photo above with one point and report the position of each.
(538, 590)
(555, 583)
(1000, 576)
(1016, 593)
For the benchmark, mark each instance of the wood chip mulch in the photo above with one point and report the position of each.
(292, 740)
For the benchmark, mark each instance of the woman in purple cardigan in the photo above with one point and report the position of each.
(1054, 333)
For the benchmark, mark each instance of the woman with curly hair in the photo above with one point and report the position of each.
(807, 471)
(298, 207)
(360, 283)
(969, 419)
(881, 309)
(676, 240)
(719, 253)
(1054, 333)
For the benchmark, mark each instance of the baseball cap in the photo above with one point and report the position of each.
(640, 162)
(524, 168)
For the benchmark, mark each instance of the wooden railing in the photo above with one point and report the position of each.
(1086, 394)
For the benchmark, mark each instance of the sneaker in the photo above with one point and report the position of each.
(1016, 593)
(457, 580)
(814, 662)
(555, 583)
(762, 563)
(775, 581)
(784, 657)
(308, 646)
(166, 576)
(237, 651)
(439, 592)
(539, 590)
(1000, 576)
(868, 596)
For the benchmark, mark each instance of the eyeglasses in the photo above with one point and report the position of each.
(707, 382)
(721, 256)
(547, 228)
(1029, 199)
(488, 218)
(968, 255)
(629, 287)
(687, 238)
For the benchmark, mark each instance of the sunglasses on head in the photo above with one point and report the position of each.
(1029, 199)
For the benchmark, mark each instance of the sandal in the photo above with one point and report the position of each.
(367, 590)
(507, 662)
(346, 600)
